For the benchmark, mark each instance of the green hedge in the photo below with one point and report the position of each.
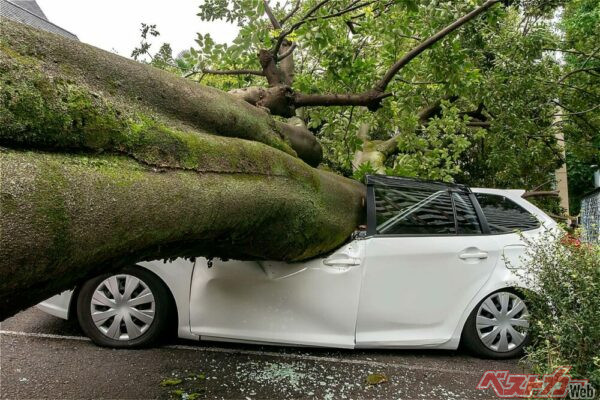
(564, 306)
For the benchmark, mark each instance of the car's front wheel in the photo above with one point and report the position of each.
(498, 326)
(125, 309)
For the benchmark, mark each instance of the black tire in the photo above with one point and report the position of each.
(471, 341)
(156, 330)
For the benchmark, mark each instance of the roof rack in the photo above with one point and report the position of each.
(406, 182)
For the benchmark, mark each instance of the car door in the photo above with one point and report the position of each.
(514, 222)
(426, 257)
(307, 303)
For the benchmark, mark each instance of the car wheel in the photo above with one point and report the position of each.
(497, 327)
(125, 309)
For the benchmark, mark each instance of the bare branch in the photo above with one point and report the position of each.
(283, 35)
(427, 43)
(271, 16)
(540, 193)
(559, 217)
(578, 112)
(571, 51)
(350, 8)
(421, 83)
(292, 12)
(351, 27)
(479, 124)
(573, 112)
(418, 39)
(370, 99)
(566, 85)
(590, 56)
(287, 53)
(576, 71)
(225, 72)
(430, 111)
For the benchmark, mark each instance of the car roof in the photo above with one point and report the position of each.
(413, 183)
(405, 182)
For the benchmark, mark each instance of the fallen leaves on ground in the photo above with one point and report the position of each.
(170, 382)
(376, 379)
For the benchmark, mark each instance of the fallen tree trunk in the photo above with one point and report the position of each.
(29, 53)
(106, 162)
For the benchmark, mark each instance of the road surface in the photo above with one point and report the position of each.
(43, 357)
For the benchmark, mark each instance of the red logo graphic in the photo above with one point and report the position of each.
(555, 385)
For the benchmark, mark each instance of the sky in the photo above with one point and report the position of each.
(114, 25)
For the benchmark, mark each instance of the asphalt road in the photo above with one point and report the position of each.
(45, 357)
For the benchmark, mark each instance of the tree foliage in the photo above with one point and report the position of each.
(493, 88)
(579, 94)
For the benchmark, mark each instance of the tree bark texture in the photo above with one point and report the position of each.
(105, 162)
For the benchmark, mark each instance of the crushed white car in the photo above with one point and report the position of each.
(434, 267)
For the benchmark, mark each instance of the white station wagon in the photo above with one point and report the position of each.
(434, 268)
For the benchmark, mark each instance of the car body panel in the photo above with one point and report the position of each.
(413, 292)
(57, 305)
(387, 291)
(307, 303)
(177, 275)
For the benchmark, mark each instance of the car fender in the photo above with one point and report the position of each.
(177, 276)
(501, 278)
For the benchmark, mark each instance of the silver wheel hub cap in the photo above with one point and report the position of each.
(122, 307)
(502, 322)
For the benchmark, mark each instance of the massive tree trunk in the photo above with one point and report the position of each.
(105, 162)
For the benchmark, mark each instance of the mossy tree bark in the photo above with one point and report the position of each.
(105, 162)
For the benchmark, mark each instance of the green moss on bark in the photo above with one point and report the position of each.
(107, 162)
(119, 81)
(65, 215)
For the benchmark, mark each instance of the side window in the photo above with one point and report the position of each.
(466, 216)
(410, 211)
(504, 215)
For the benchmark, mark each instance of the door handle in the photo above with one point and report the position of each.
(480, 255)
(341, 261)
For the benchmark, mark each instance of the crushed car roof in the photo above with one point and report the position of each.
(404, 182)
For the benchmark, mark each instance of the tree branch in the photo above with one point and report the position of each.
(298, 24)
(421, 83)
(578, 112)
(350, 8)
(479, 124)
(576, 71)
(430, 111)
(287, 53)
(225, 72)
(427, 43)
(370, 99)
(271, 16)
(292, 12)
(579, 53)
(540, 193)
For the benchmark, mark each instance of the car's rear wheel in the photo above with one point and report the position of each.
(125, 309)
(498, 326)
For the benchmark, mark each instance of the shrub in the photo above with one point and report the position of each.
(564, 306)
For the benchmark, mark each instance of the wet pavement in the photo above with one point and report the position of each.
(45, 357)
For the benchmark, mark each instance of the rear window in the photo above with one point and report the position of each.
(504, 215)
